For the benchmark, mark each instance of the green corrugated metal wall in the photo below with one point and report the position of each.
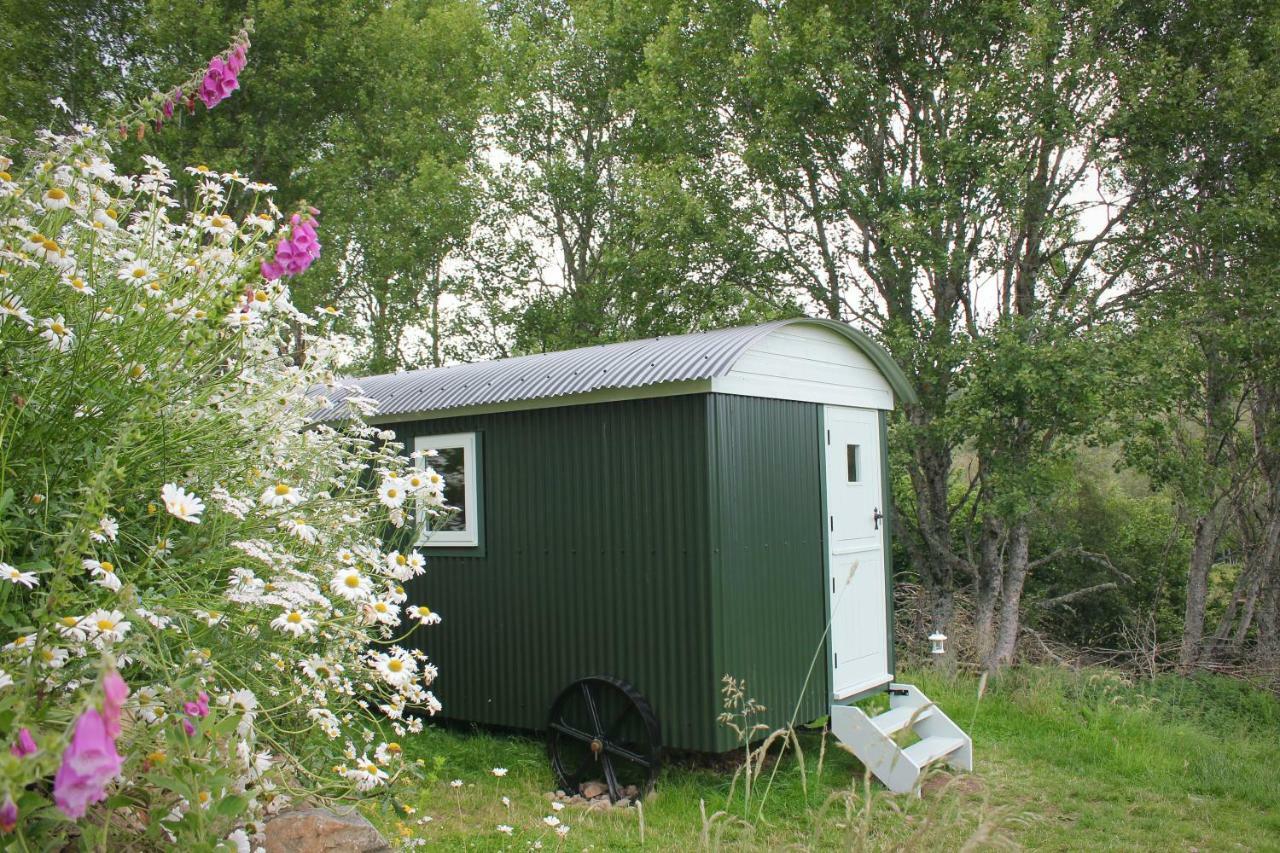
(597, 547)
(768, 567)
(666, 541)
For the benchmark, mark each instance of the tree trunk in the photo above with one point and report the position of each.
(986, 588)
(1015, 577)
(1205, 540)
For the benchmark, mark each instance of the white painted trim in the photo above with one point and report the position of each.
(775, 388)
(469, 537)
(870, 684)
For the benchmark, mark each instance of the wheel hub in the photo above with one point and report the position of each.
(597, 746)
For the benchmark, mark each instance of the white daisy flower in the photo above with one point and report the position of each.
(11, 574)
(181, 504)
(137, 272)
(107, 530)
(298, 527)
(104, 574)
(350, 584)
(149, 706)
(78, 284)
(294, 622)
(551, 820)
(456, 783)
(562, 830)
(366, 774)
(383, 612)
(423, 615)
(57, 333)
(504, 829)
(72, 628)
(392, 492)
(11, 306)
(281, 494)
(55, 198)
(5, 680)
(398, 566)
(557, 806)
(105, 219)
(108, 626)
(395, 669)
(54, 657)
(499, 772)
(20, 643)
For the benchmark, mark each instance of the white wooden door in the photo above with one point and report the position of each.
(855, 542)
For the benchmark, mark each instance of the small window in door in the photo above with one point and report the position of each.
(851, 452)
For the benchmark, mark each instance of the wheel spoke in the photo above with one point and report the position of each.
(615, 791)
(623, 752)
(592, 709)
(576, 734)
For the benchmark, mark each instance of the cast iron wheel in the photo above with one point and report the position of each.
(603, 728)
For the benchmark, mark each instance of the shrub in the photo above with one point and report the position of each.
(200, 615)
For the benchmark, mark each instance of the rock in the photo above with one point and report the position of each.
(323, 831)
(591, 790)
(560, 794)
(577, 800)
(631, 791)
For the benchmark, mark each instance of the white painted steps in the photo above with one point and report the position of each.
(871, 739)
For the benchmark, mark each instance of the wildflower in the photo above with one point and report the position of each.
(294, 622)
(351, 585)
(504, 829)
(397, 670)
(383, 612)
(22, 642)
(55, 198)
(11, 306)
(499, 772)
(53, 657)
(557, 806)
(136, 272)
(6, 680)
(181, 504)
(104, 574)
(398, 565)
(218, 83)
(367, 775)
(108, 626)
(27, 579)
(562, 830)
(298, 527)
(78, 284)
(136, 372)
(456, 783)
(294, 253)
(25, 745)
(114, 692)
(195, 710)
(423, 614)
(107, 530)
(281, 494)
(8, 814)
(392, 492)
(105, 220)
(58, 333)
(551, 820)
(88, 764)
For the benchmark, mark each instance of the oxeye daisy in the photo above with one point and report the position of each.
(106, 220)
(423, 614)
(392, 492)
(350, 584)
(181, 504)
(398, 565)
(13, 575)
(104, 574)
(281, 494)
(294, 622)
(58, 333)
(107, 530)
(11, 306)
(55, 198)
(396, 669)
(136, 272)
(383, 612)
(107, 626)
(78, 284)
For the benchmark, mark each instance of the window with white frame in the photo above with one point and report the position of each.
(453, 457)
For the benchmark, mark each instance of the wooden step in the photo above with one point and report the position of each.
(932, 749)
(896, 719)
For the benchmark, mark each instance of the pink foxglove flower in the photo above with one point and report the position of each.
(8, 815)
(237, 58)
(88, 764)
(114, 691)
(218, 83)
(26, 744)
(295, 252)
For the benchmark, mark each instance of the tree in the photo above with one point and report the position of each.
(1199, 142)
(927, 170)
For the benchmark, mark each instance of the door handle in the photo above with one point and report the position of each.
(876, 516)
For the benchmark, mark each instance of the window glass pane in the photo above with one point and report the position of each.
(851, 451)
(451, 464)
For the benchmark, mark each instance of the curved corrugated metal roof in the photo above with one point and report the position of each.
(631, 364)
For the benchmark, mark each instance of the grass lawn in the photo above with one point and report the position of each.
(1064, 761)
